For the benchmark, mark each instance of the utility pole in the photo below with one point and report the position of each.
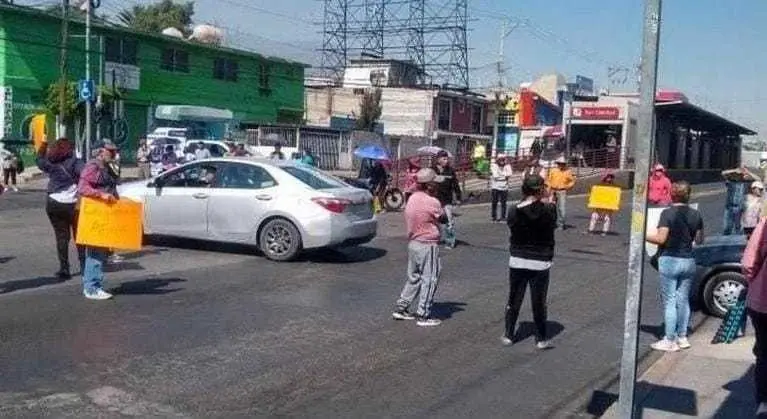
(100, 97)
(88, 107)
(501, 71)
(61, 128)
(644, 147)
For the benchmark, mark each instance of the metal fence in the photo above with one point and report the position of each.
(332, 148)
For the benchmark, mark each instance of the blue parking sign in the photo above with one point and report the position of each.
(86, 90)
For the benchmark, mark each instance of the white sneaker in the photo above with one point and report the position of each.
(544, 344)
(99, 294)
(761, 412)
(424, 322)
(683, 343)
(505, 341)
(665, 345)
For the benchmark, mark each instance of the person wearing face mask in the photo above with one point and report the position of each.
(752, 210)
(97, 181)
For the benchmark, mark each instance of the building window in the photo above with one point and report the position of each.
(121, 50)
(175, 60)
(476, 119)
(263, 76)
(225, 69)
(444, 111)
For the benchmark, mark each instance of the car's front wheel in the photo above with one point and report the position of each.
(280, 240)
(722, 291)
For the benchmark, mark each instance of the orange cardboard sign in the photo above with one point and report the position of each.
(116, 225)
(606, 198)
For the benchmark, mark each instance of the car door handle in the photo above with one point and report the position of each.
(200, 196)
(264, 197)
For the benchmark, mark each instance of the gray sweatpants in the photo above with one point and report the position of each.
(423, 266)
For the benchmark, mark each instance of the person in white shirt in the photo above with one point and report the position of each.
(202, 152)
(500, 174)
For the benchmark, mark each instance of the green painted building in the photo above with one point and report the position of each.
(149, 69)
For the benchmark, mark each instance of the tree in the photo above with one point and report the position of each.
(370, 110)
(156, 17)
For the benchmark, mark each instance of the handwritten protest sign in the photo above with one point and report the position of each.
(116, 225)
(605, 198)
(653, 217)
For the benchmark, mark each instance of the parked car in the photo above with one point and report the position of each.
(719, 280)
(282, 207)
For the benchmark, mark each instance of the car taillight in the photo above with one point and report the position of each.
(335, 205)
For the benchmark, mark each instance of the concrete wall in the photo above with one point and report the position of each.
(405, 112)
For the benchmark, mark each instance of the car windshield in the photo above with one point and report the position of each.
(314, 178)
(177, 133)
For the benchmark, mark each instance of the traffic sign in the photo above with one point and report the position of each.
(86, 90)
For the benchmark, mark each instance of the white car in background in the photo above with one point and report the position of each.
(282, 207)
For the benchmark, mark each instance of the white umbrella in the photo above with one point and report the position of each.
(433, 150)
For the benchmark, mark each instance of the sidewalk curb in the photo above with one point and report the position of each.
(578, 404)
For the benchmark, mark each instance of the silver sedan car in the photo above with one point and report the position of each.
(282, 207)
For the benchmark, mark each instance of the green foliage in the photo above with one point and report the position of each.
(72, 108)
(370, 110)
(154, 18)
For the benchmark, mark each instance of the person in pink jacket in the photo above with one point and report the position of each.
(754, 268)
(659, 188)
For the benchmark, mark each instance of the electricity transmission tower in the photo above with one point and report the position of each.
(429, 33)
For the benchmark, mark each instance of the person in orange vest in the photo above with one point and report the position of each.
(560, 180)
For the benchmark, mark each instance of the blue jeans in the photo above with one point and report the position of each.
(731, 225)
(676, 276)
(93, 275)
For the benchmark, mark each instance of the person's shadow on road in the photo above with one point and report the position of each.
(527, 329)
(22, 284)
(151, 286)
(445, 310)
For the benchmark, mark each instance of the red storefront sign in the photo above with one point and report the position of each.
(597, 113)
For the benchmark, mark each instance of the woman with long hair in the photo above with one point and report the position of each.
(63, 169)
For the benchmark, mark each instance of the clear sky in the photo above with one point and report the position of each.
(713, 50)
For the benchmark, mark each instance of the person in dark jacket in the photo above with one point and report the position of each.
(531, 247)
(63, 170)
(97, 182)
(449, 194)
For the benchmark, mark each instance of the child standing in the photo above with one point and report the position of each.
(752, 210)
(603, 216)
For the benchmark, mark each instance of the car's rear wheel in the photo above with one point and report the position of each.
(280, 240)
(722, 291)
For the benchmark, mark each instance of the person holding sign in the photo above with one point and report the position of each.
(679, 229)
(604, 211)
(97, 181)
(561, 180)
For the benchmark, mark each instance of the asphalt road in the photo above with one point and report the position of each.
(211, 331)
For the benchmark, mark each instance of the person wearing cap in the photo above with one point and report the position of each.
(659, 187)
(752, 207)
(448, 193)
(561, 180)
(601, 215)
(97, 181)
(531, 223)
(423, 215)
(500, 174)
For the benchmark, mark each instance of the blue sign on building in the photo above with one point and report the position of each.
(86, 90)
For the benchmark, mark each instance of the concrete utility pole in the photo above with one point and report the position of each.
(644, 147)
(61, 129)
(501, 71)
(88, 107)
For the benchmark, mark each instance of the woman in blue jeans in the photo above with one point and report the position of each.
(679, 229)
